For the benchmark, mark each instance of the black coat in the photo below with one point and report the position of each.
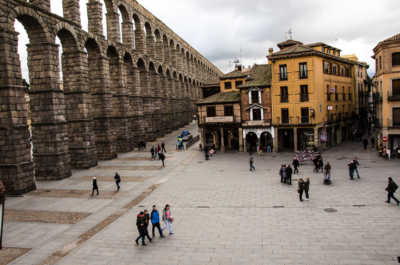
(95, 184)
(391, 187)
(289, 171)
(306, 185)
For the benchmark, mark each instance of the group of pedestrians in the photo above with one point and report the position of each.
(158, 153)
(285, 172)
(95, 186)
(353, 168)
(303, 187)
(318, 164)
(143, 220)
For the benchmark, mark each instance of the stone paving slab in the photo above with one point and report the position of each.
(123, 168)
(11, 215)
(9, 254)
(111, 179)
(225, 214)
(77, 194)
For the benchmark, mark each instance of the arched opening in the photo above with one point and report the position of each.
(39, 63)
(125, 25)
(251, 142)
(172, 53)
(56, 7)
(150, 44)
(266, 142)
(84, 14)
(106, 23)
(137, 42)
(165, 47)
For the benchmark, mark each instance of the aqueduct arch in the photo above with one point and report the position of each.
(115, 93)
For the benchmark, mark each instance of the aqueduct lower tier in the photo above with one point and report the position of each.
(115, 92)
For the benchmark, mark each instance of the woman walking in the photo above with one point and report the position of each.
(168, 219)
(300, 189)
(327, 177)
(307, 187)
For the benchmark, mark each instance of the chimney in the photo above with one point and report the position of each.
(270, 51)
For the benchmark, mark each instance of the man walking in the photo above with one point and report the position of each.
(307, 187)
(140, 224)
(146, 224)
(296, 165)
(289, 172)
(162, 158)
(152, 151)
(351, 169)
(282, 173)
(391, 189)
(117, 178)
(155, 221)
(252, 167)
(355, 166)
(365, 143)
(94, 186)
(163, 147)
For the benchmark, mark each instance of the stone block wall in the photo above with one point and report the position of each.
(106, 103)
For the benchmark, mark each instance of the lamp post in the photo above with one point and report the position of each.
(2, 201)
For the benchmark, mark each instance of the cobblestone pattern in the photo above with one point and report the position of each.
(114, 94)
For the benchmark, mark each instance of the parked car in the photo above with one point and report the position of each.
(186, 135)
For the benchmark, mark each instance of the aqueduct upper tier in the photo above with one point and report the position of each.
(135, 85)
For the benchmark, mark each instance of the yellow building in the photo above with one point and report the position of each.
(387, 84)
(313, 92)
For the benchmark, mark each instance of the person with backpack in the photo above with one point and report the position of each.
(141, 226)
(155, 221)
(117, 178)
(391, 189)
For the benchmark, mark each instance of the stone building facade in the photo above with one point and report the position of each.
(238, 118)
(115, 93)
(387, 84)
(313, 95)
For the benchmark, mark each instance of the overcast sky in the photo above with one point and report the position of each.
(223, 30)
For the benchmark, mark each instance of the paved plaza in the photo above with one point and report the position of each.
(224, 214)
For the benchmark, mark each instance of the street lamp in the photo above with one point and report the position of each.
(2, 201)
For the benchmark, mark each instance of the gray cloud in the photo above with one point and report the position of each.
(226, 29)
(221, 28)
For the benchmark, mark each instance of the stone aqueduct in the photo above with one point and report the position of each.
(114, 93)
